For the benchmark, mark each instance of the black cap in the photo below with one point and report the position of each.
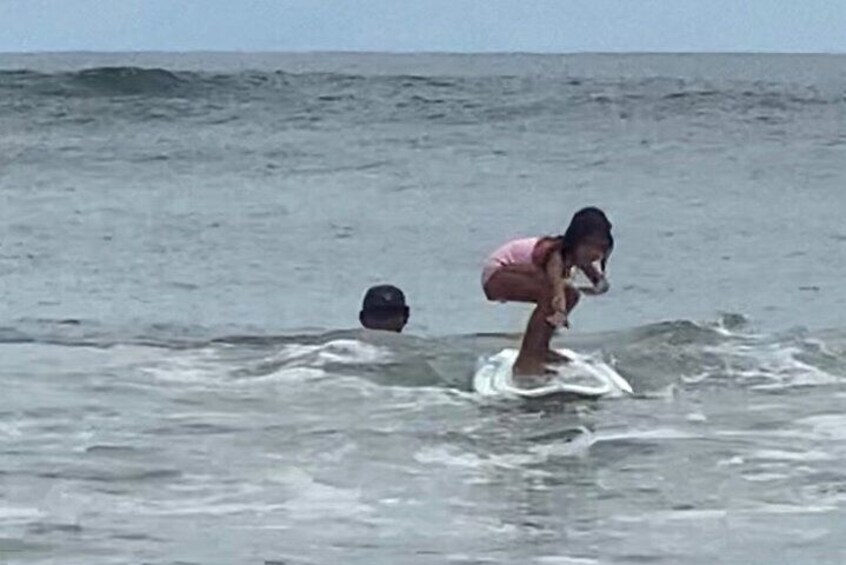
(384, 298)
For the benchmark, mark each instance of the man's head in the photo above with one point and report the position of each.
(384, 308)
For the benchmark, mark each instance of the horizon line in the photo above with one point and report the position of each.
(409, 52)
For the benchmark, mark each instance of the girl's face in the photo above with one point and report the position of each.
(591, 250)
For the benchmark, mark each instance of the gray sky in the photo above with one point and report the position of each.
(424, 25)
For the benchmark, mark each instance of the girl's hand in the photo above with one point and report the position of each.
(559, 303)
(558, 320)
(599, 288)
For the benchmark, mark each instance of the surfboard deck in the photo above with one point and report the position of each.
(581, 376)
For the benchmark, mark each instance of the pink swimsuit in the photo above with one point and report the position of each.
(516, 252)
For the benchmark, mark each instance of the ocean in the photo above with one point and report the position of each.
(185, 240)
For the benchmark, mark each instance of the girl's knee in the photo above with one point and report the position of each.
(547, 293)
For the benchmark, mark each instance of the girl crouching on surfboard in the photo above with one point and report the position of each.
(539, 270)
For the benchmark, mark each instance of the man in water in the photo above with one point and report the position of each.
(384, 309)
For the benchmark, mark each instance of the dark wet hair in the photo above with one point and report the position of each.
(384, 308)
(586, 223)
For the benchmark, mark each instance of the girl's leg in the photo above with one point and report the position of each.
(516, 283)
(534, 351)
(527, 283)
(573, 297)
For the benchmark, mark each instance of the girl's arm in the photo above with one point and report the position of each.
(554, 272)
(597, 277)
(547, 256)
(593, 274)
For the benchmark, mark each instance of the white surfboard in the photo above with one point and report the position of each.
(582, 376)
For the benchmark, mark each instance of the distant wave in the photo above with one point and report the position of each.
(129, 80)
(103, 81)
(495, 95)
